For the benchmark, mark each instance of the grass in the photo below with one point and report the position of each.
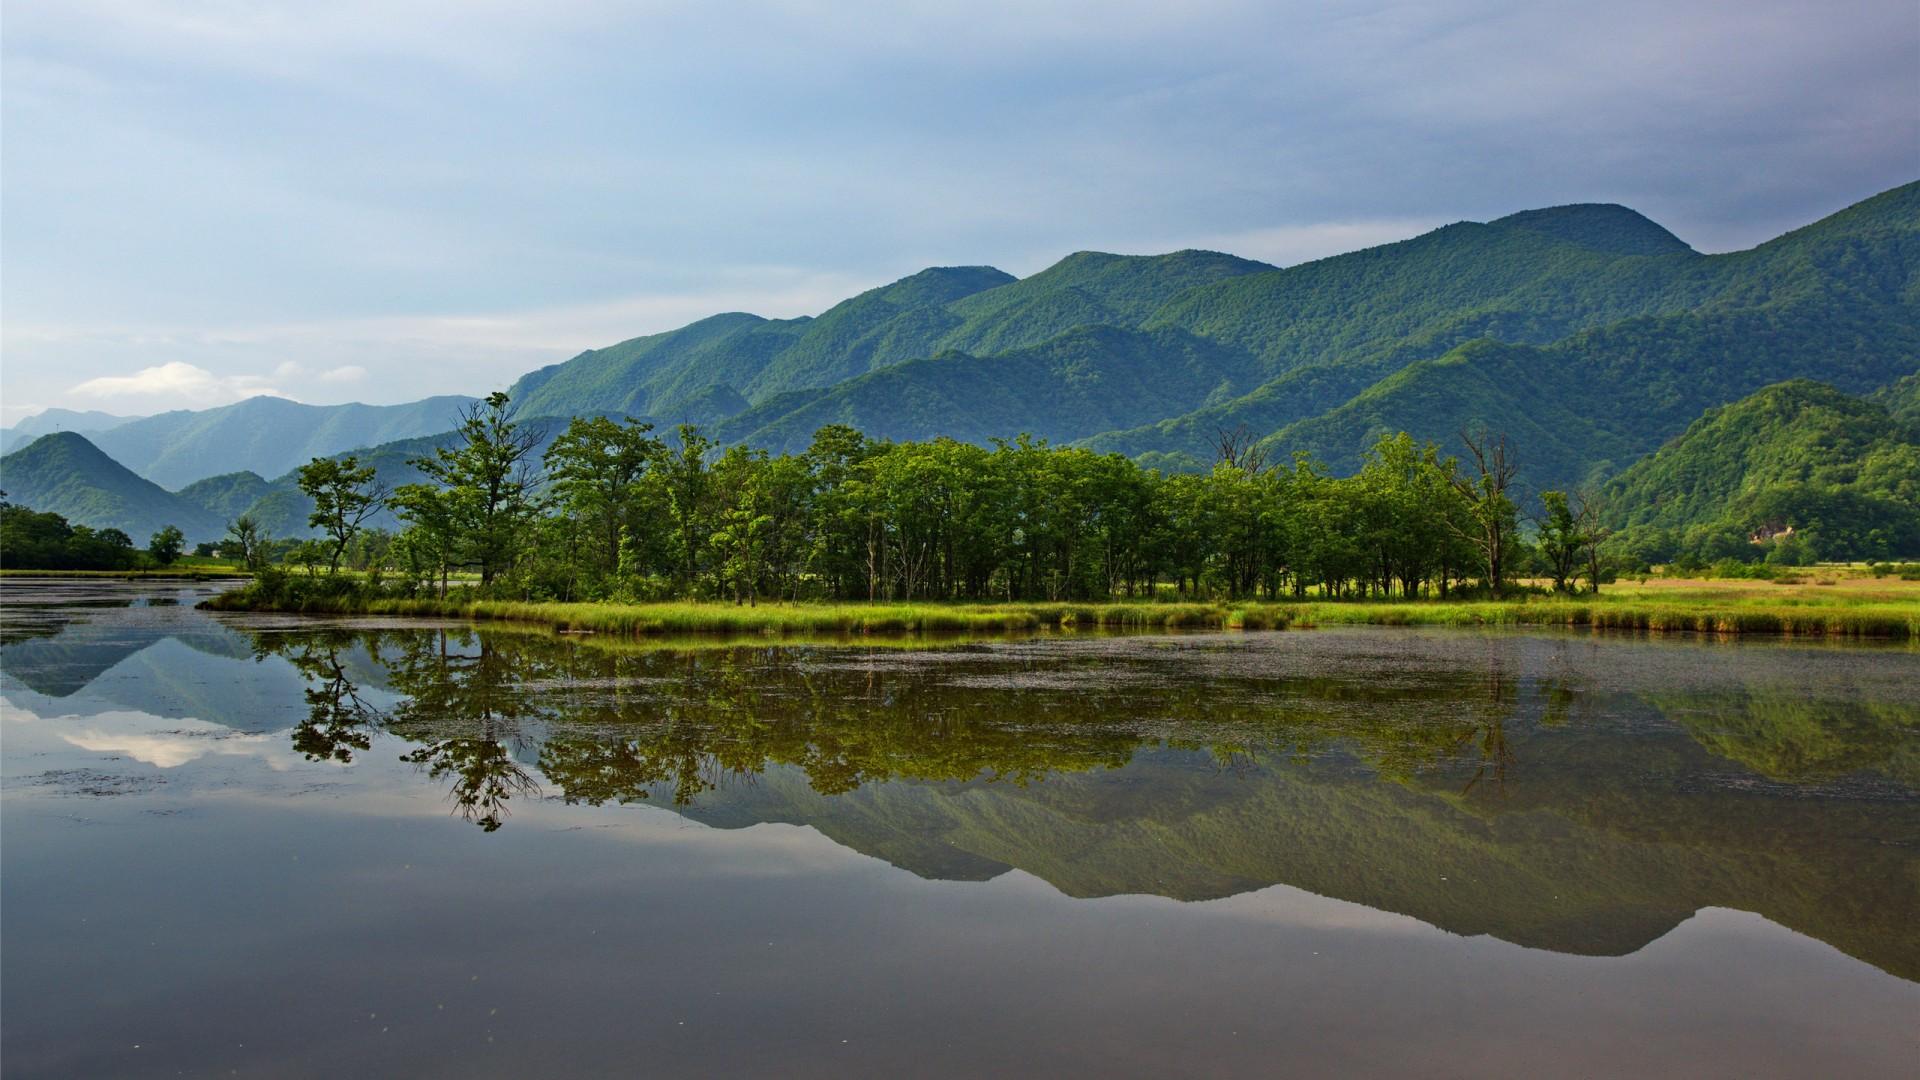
(774, 619)
(1848, 607)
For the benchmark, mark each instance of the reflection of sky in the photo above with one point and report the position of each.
(153, 740)
(225, 891)
(348, 936)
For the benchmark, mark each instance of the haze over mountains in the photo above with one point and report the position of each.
(1588, 333)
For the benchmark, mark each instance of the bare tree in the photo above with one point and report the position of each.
(1491, 514)
(1239, 449)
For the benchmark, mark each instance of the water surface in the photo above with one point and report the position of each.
(277, 846)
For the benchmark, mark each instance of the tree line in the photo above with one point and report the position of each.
(613, 510)
(41, 540)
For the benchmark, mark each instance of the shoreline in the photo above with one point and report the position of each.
(1886, 622)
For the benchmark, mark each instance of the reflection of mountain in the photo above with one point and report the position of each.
(66, 663)
(165, 660)
(1462, 789)
(1568, 871)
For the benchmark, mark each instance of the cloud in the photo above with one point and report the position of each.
(414, 355)
(431, 189)
(175, 383)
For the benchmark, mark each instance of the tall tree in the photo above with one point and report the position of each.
(489, 478)
(166, 545)
(345, 494)
(597, 468)
(1561, 541)
(689, 489)
(1492, 518)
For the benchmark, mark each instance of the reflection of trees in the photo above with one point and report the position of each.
(468, 704)
(338, 721)
(621, 725)
(484, 776)
(465, 705)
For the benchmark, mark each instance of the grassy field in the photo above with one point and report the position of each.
(1843, 605)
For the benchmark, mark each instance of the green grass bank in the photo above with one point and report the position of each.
(1838, 616)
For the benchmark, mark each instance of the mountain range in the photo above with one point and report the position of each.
(1588, 333)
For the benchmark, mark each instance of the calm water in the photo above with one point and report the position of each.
(271, 846)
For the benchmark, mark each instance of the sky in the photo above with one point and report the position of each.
(378, 200)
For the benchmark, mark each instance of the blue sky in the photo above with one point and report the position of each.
(381, 200)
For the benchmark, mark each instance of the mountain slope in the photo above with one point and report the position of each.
(1795, 455)
(1837, 301)
(63, 473)
(265, 435)
(226, 496)
(1079, 383)
(973, 309)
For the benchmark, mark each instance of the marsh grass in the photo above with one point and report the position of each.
(766, 619)
(1858, 610)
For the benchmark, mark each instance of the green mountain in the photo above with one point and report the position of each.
(63, 473)
(265, 435)
(50, 420)
(1798, 455)
(938, 311)
(1587, 333)
(1589, 364)
(226, 496)
(1085, 381)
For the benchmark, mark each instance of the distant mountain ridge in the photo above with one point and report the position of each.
(1587, 332)
(40, 423)
(265, 435)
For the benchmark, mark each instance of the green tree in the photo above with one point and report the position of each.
(1561, 540)
(166, 545)
(488, 480)
(688, 484)
(345, 494)
(597, 469)
(246, 543)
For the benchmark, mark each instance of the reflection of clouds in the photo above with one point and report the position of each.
(161, 741)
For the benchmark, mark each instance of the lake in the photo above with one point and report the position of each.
(277, 846)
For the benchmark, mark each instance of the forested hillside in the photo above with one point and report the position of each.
(1836, 301)
(1797, 463)
(972, 309)
(64, 474)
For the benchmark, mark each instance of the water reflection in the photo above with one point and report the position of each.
(1583, 795)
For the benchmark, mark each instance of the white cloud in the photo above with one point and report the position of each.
(414, 355)
(175, 383)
